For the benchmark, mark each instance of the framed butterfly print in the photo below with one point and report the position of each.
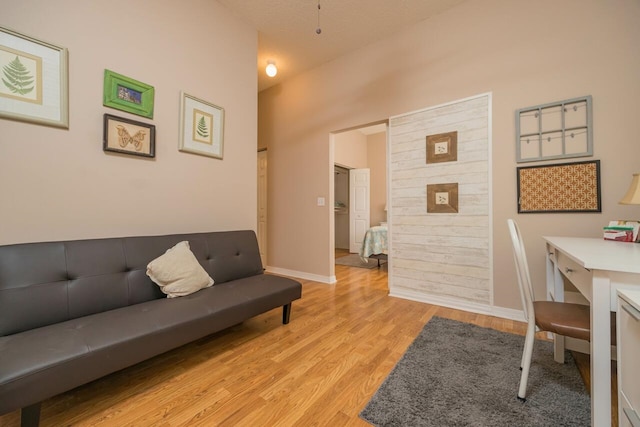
(129, 136)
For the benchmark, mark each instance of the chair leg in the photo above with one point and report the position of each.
(558, 348)
(526, 361)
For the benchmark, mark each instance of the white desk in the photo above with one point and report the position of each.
(597, 268)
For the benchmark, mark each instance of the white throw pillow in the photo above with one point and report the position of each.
(178, 272)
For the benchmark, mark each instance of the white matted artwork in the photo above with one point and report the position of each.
(33, 80)
(201, 127)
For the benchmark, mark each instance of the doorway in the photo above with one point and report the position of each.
(356, 149)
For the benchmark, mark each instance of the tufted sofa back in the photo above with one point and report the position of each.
(46, 283)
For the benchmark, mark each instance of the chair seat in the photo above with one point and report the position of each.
(570, 320)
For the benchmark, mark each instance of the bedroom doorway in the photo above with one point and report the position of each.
(352, 150)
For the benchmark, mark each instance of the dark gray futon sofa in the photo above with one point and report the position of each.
(72, 312)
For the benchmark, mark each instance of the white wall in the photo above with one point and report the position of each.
(377, 162)
(59, 184)
(351, 149)
(524, 53)
(441, 257)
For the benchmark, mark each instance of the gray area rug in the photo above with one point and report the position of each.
(354, 260)
(457, 374)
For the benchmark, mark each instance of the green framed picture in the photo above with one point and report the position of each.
(127, 94)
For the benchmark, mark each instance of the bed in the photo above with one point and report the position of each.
(374, 244)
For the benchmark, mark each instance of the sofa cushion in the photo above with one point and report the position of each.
(50, 282)
(42, 362)
(178, 272)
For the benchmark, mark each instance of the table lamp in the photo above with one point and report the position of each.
(633, 194)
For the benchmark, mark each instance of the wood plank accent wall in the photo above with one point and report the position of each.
(441, 257)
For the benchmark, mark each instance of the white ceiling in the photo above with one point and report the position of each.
(287, 28)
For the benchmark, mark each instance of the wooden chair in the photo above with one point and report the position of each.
(566, 319)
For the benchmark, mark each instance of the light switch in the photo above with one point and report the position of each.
(320, 201)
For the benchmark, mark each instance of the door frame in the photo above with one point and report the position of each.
(330, 172)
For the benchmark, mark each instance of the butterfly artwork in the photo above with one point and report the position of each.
(124, 138)
(127, 136)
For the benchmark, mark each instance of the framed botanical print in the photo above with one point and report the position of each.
(33, 80)
(201, 127)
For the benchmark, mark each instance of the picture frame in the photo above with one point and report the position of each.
(201, 127)
(442, 198)
(34, 80)
(442, 147)
(126, 136)
(127, 94)
(557, 130)
(559, 188)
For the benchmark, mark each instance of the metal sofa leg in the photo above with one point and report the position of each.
(286, 313)
(30, 416)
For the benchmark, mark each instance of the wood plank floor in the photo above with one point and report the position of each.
(321, 369)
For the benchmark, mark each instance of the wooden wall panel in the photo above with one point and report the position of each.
(442, 255)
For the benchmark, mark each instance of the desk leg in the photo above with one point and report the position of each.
(600, 351)
(558, 340)
(555, 291)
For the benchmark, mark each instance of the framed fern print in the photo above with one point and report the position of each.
(128, 136)
(33, 80)
(201, 127)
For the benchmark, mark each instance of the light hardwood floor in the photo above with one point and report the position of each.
(321, 369)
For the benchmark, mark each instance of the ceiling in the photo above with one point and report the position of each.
(287, 28)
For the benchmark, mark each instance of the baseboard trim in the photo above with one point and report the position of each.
(329, 280)
(508, 313)
(505, 313)
(502, 312)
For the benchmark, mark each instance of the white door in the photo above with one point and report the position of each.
(262, 206)
(359, 214)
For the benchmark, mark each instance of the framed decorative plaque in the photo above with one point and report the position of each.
(442, 147)
(442, 198)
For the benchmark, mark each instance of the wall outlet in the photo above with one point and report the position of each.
(320, 201)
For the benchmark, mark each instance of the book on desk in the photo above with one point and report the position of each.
(622, 231)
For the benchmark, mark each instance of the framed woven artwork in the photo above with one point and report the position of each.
(566, 187)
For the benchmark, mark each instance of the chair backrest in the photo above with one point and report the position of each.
(522, 269)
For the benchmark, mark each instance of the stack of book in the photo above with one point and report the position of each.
(622, 231)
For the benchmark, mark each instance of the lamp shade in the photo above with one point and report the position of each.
(633, 194)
